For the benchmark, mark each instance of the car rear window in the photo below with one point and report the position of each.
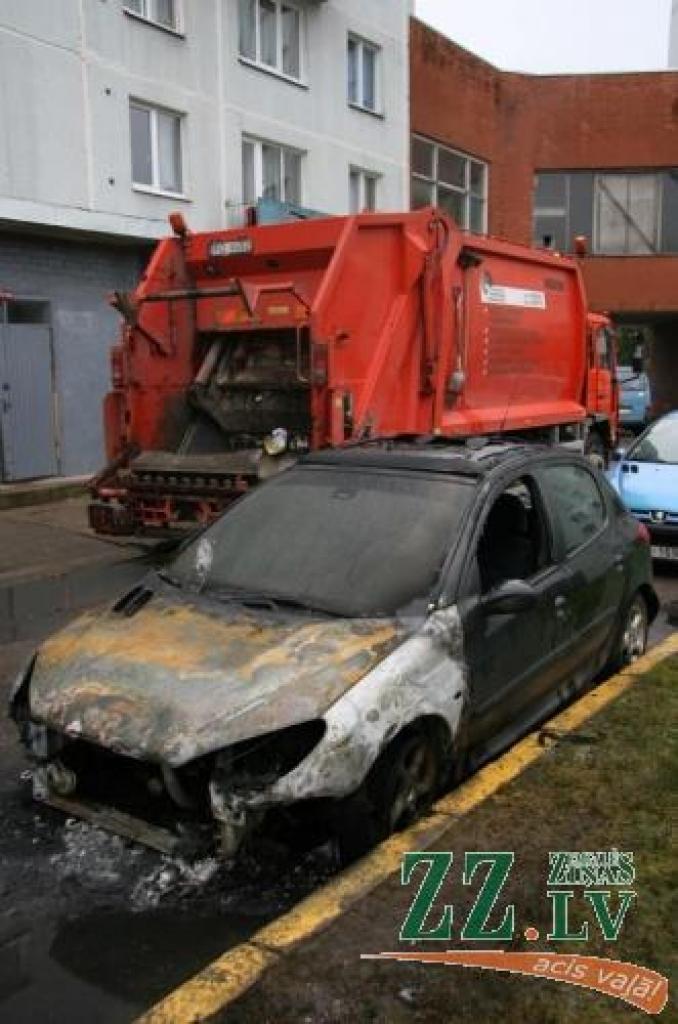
(348, 541)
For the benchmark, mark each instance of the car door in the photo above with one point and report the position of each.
(592, 553)
(514, 660)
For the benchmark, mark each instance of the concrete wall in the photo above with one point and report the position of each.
(69, 67)
(521, 124)
(74, 277)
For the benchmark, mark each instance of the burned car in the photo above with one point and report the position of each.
(349, 638)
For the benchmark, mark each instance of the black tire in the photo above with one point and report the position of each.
(631, 638)
(401, 786)
(596, 449)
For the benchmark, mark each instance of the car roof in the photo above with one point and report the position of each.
(471, 457)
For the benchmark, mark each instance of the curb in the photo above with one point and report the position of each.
(231, 975)
(42, 492)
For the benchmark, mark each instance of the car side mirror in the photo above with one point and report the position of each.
(509, 598)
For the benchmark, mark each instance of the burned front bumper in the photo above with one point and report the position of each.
(213, 803)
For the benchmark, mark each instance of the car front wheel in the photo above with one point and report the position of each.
(401, 787)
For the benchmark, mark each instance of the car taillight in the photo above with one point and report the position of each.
(642, 533)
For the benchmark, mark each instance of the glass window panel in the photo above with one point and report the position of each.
(576, 504)
(247, 29)
(612, 197)
(550, 231)
(477, 179)
(642, 209)
(268, 32)
(271, 184)
(354, 191)
(292, 169)
(669, 236)
(369, 96)
(422, 193)
(370, 192)
(453, 203)
(477, 215)
(291, 34)
(249, 186)
(353, 57)
(580, 212)
(451, 168)
(551, 191)
(140, 135)
(169, 151)
(164, 13)
(422, 157)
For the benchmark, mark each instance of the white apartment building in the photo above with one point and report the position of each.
(115, 113)
(673, 39)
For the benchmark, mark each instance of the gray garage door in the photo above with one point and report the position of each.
(27, 438)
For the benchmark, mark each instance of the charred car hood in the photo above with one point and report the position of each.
(183, 677)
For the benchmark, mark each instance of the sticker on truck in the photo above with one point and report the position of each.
(504, 295)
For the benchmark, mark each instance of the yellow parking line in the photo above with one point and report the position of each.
(228, 977)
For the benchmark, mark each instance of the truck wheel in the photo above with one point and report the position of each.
(631, 640)
(596, 450)
(401, 786)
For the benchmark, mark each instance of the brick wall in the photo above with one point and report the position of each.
(521, 123)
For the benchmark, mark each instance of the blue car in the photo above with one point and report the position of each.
(646, 479)
(635, 398)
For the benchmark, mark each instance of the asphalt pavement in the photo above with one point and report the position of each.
(92, 928)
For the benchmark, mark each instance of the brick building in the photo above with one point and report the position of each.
(545, 158)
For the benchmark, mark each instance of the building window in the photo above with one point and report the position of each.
(451, 180)
(156, 148)
(363, 74)
(270, 171)
(271, 35)
(627, 213)
(160, 12)
(362, 190)
(634, 213)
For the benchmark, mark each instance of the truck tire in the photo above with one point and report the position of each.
(596, 449)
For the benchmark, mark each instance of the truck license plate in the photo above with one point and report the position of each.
(665, 552)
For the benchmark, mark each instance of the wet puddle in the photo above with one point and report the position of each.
(123, 926)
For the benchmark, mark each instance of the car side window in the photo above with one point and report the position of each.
(576, 504)
(514, 543)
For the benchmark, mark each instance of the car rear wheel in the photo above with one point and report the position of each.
(631, 641)
(400, 788)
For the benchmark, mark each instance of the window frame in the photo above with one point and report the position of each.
(569, 217)
(361, 43)
(155, 188)
(177, 29)
(363, 175)
(258, 164)
(278, 69)
(466, 191)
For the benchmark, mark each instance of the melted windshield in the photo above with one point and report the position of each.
(346, 541)
(659, 444)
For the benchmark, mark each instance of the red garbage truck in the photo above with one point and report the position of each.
(242, 348)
